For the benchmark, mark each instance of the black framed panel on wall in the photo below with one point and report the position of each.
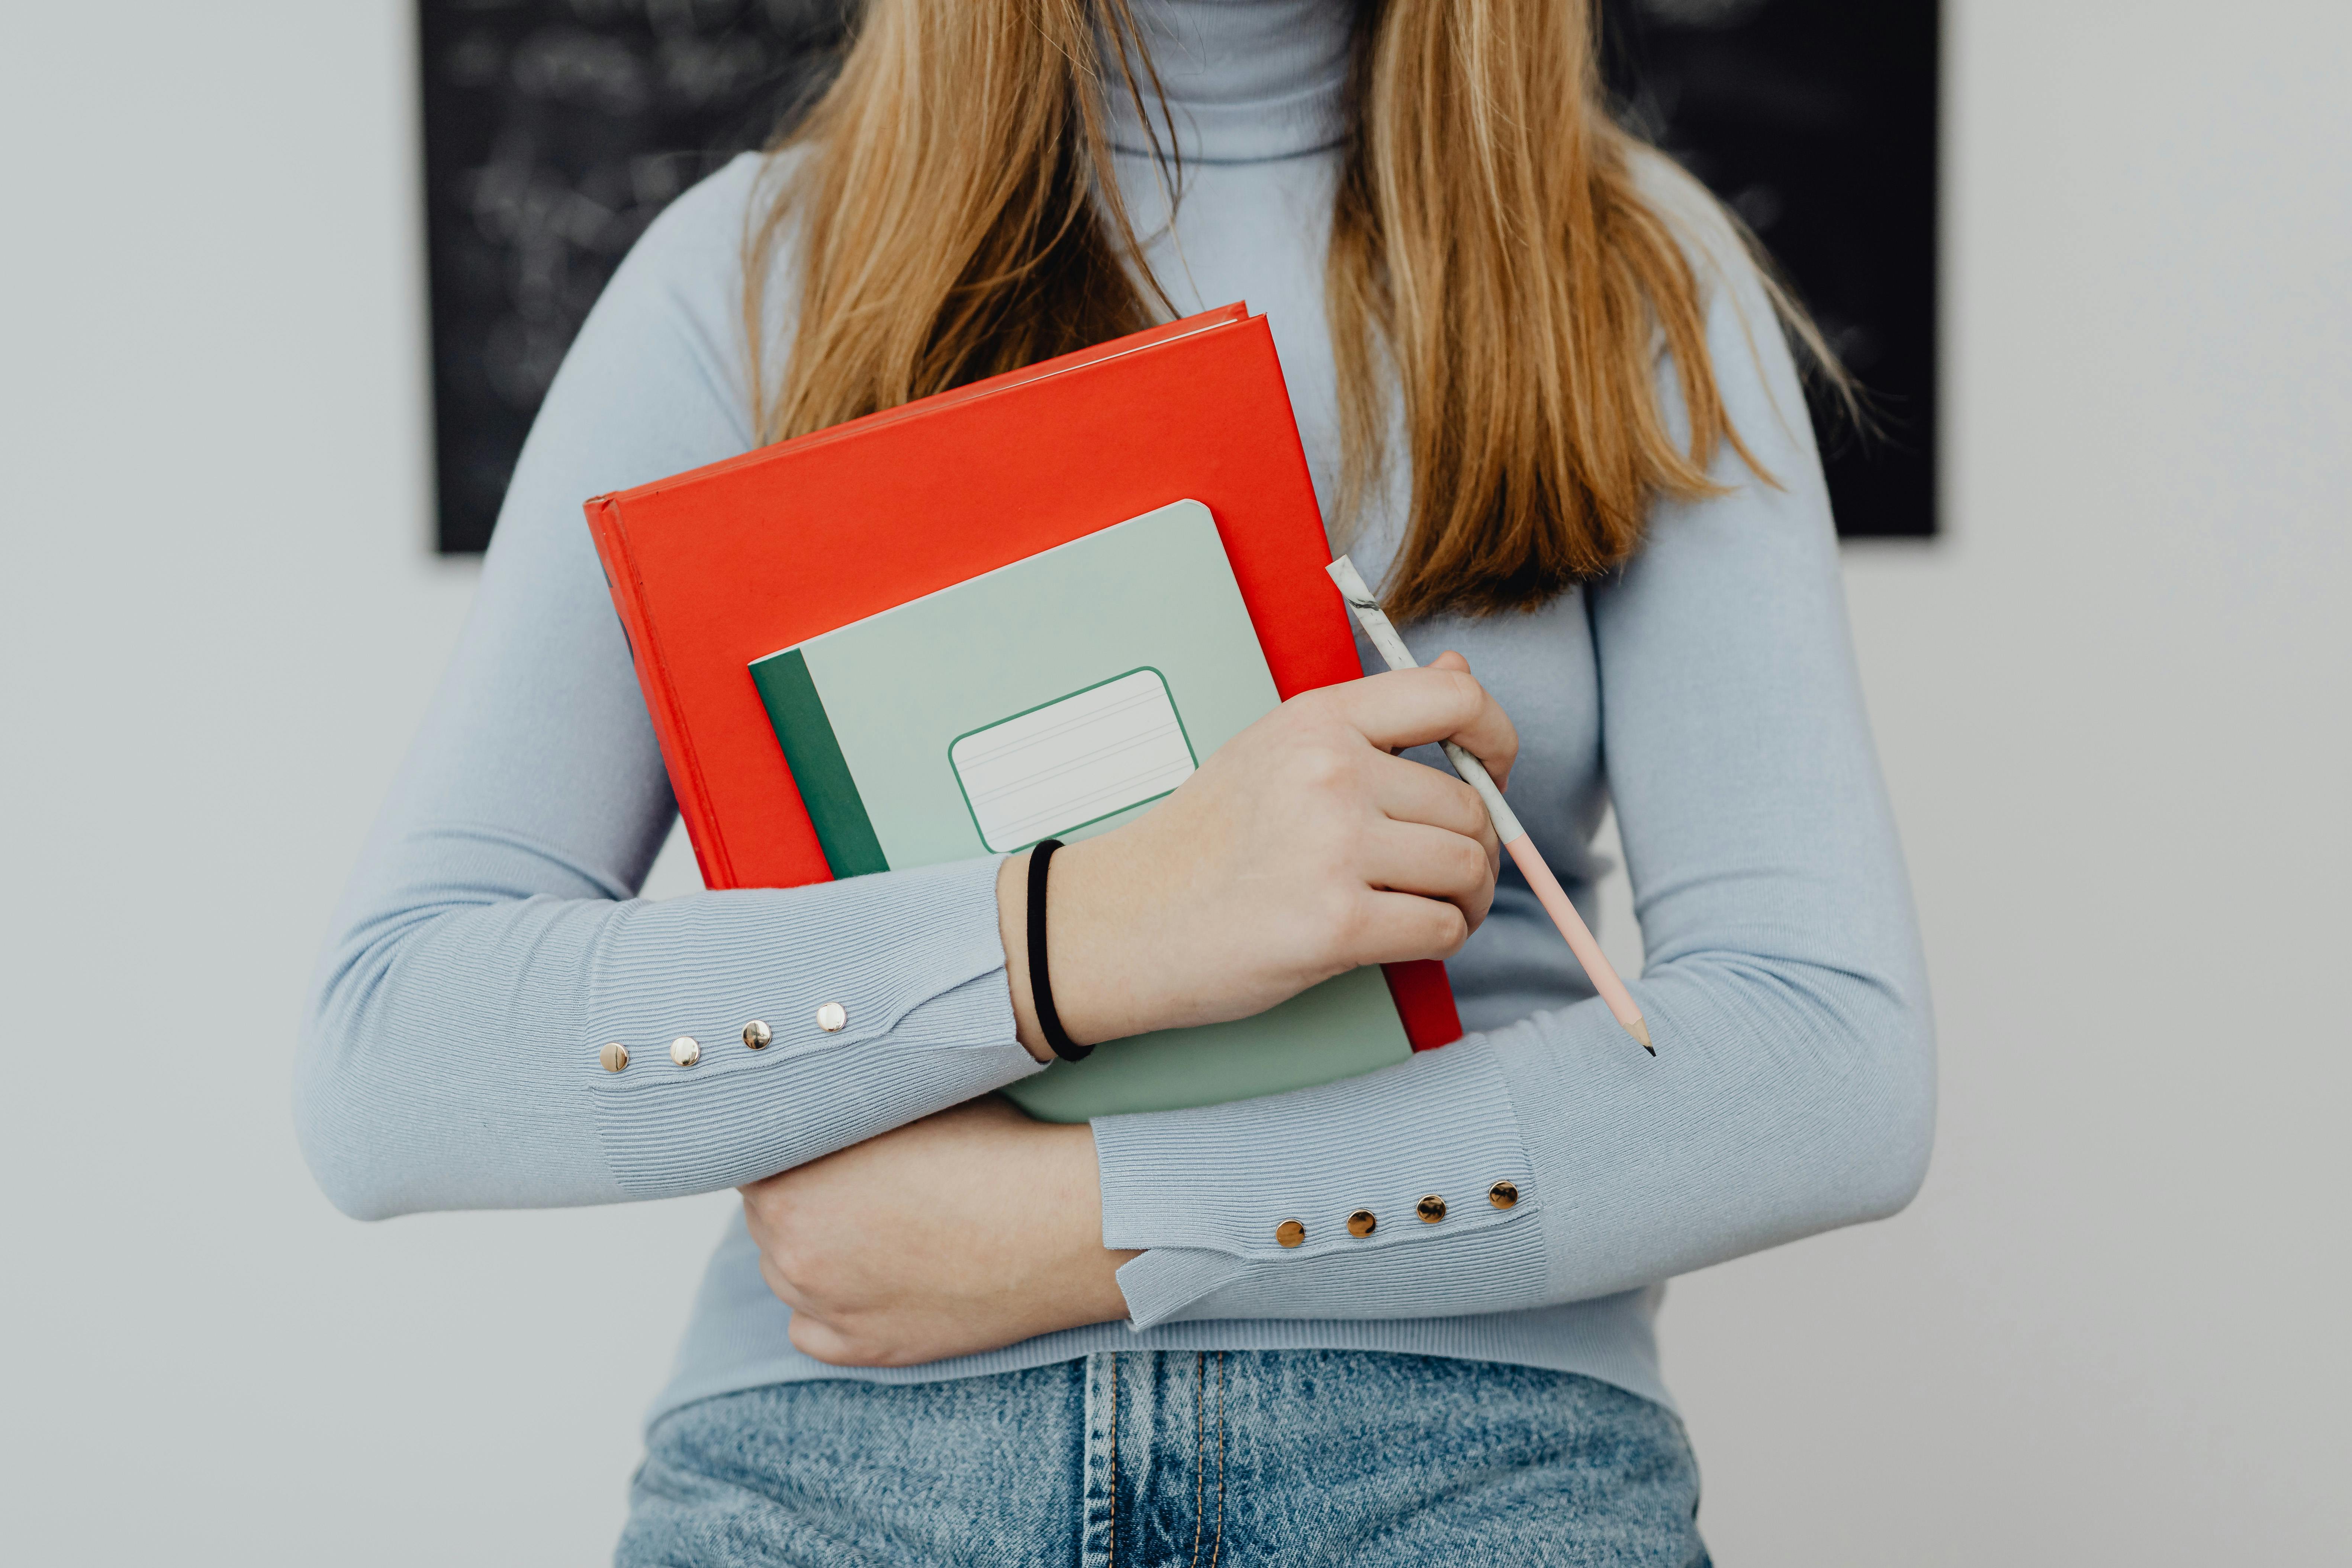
(556, 130)
(1816, 121)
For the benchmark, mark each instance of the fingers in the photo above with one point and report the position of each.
(1405, 791)
(1415, 707)
(1412, 857)
(1397, 928)
(780, 1286)
(820, 1340)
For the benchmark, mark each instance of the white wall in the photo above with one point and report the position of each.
(2113, 706)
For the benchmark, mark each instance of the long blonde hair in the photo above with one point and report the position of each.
(958, 215)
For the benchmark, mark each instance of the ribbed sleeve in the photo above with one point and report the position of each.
(1209, 1190)
(913, 961)
(1794, 1085)
(490, 947)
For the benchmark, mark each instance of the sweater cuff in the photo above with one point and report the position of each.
(1211, 1194)
(1161, 1283)
(907, 971)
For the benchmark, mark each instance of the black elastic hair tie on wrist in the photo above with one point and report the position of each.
(1041, 985)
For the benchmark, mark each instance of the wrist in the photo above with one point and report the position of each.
(1013, 930)
(1089, 938)
(1090, 1271)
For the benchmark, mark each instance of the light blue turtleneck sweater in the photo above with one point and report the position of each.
(490, 942)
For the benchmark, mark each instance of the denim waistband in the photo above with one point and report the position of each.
(1202, 1456)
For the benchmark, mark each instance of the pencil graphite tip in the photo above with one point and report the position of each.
(1640, 1029)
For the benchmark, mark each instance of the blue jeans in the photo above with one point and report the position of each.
(1149, 1457)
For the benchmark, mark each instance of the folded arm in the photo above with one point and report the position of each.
(1793, 1089)
(490, 946)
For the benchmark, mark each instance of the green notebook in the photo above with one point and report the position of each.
(1057, 697)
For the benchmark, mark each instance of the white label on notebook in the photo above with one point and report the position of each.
(1074, 761)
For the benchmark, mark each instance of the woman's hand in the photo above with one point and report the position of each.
(961, 1233)
(1301, 849)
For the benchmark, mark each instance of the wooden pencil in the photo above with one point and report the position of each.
(1523, 852)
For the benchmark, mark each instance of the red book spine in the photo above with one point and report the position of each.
(693, 798)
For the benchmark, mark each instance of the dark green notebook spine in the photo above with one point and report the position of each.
(805, 732)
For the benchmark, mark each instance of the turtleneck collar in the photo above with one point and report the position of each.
(1246, 80)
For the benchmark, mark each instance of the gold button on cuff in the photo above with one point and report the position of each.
(756, 1034)
(1502, 1194)
(1363, 1222)
(1290, 1233)
(614, 1057)
(685, 1051)
(833, 1017)
(1431, 1209)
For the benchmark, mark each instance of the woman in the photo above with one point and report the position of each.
(1544, 395)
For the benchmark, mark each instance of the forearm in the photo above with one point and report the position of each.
(453, 1057)
(1781, 1103)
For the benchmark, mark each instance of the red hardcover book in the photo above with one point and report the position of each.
(713, 569)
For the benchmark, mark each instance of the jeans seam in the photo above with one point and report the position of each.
(1111, 1561)
(1218, 1545)
(1200, 1471)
